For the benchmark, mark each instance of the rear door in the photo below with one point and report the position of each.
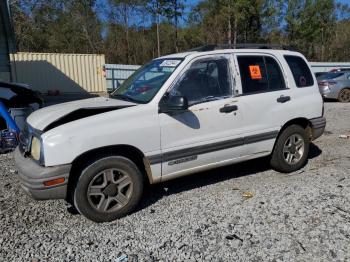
(264, 99)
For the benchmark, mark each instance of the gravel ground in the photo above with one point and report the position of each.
(303, 216)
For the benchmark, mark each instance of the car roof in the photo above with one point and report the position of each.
(193, 54)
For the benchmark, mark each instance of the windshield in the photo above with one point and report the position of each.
(330, 76)
(144, 84)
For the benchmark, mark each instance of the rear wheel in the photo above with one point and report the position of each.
(344, 96)
(291, 149)
(108, 189)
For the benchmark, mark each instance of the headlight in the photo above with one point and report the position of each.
(35, 148)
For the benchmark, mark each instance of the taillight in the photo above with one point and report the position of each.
(327, 83)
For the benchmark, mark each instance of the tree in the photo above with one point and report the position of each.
(157, 9)
(123, 11)
(57, 26)
(310, 26)
(174, 9)
(23, 26)
(230, 21)
(135, 31)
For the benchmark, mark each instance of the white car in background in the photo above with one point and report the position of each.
(177, 115)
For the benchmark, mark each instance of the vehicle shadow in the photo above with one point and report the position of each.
(188, 118)
(154, 193)
(314, 151)
(330, 100)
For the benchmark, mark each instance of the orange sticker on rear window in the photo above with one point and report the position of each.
(255, 72)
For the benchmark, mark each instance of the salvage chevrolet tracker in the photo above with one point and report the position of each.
(177, 115)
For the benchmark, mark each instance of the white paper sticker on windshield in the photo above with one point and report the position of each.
(170, 63)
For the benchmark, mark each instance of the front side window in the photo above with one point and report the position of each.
(144, 84)
(204, 81)
(300, 70)
(260, 74)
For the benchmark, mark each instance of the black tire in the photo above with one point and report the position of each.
(344, 95)
(116, 168)
(279, 157)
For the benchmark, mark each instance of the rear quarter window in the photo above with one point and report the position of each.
(300, 70)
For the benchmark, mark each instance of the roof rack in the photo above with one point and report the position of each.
(212, 47)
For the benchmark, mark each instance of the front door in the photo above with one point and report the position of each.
(210, 130)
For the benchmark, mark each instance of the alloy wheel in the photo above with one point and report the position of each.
(293, 149)
(110, 190)
(344, 95)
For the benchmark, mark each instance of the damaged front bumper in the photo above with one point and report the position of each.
(36, 180)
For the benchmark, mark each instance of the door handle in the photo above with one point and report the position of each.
(283, 99)
(228, 109)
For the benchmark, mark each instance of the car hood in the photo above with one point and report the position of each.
(53, 116)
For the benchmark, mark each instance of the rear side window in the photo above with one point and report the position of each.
(300, 70)
(260, 74)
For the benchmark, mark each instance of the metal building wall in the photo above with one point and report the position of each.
(117, 73)
(328, 66)
(68, 73)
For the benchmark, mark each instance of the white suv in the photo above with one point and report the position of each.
(177, 115)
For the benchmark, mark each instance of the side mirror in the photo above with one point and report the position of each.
(173, 104)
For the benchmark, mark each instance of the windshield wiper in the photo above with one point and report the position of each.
(126, 98)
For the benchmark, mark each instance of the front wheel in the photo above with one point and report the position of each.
(108, 189)
(291, 150)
